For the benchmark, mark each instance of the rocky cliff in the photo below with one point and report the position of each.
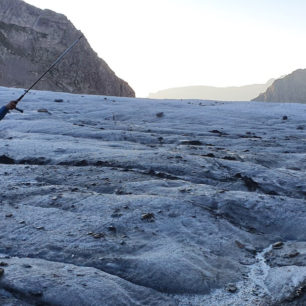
(31, 39)
(291, 88)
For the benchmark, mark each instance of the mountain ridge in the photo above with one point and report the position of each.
(290, 88)
(31, 39)
(230, 93)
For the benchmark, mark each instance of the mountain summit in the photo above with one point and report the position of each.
(291, 88)
(31, 39)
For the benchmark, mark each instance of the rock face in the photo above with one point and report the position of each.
(30, 41)
(291, 88)
(204, 205)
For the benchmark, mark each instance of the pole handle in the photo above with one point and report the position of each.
(19, 110)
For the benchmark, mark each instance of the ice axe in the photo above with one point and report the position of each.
(51, 67)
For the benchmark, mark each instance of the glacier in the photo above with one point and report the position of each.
(125, 201)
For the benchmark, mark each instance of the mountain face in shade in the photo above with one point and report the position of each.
(241, 93)
(30, 41)
(291, 88)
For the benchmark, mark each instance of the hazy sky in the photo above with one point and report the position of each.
(158, 44)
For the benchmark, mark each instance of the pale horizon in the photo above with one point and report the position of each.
(155, 45)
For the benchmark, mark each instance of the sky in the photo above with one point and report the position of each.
(160, 44)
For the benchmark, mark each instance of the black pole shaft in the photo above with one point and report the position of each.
(51, 67)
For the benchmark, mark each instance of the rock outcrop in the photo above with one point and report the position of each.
(31, 39)
(291, 88)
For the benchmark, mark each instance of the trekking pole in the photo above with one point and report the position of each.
(54, 64)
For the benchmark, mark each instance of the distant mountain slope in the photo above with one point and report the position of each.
(242, 93)
(291, 88)
(31, 39)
